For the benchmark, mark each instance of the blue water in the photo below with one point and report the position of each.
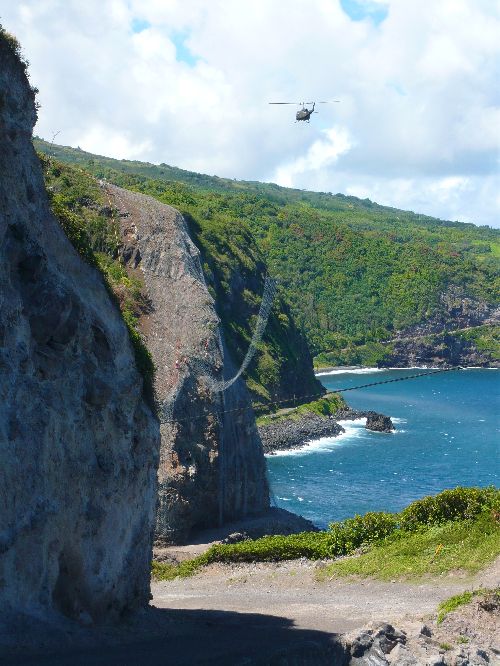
(447, 435)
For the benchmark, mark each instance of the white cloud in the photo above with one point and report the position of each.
(322, 154)
(418, 126)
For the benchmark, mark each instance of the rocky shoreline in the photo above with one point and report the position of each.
(292, 433)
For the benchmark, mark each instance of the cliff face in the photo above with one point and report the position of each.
(212, 468)
(463, 331)
(78, 444)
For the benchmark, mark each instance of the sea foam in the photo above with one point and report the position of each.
(353, 430)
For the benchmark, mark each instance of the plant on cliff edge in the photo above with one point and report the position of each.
(89, 224)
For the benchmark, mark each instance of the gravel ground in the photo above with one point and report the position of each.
(290, 590)
(266, 614)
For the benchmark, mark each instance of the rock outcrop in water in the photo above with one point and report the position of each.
(212, 468)
(78, 443)
(287, 434)
(281, 434)
(378, 422)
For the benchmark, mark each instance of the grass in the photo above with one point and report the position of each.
(167, 571)
(329, 405)
(454, 530)
(466, 546)
(452, 604)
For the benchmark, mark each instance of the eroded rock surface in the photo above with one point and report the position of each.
(78, 443)
(284, 434)
(437, 341)
(296, 431)
(212, 468)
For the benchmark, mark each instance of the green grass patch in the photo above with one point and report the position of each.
(167, 571)
(452, 604)
(456, 529)
(328, 405)
(467, 546)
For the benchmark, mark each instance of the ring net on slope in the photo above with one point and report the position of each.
(204, 371)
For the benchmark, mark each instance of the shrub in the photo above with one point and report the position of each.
(456, 504)
(13, 45)
(312, 545)
(378, 529)
(352, 533)
(344, 537)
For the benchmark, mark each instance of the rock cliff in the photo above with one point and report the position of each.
(78, 444)
(212, 467)
(462, 331)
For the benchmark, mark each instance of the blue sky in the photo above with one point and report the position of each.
(188, 84)
(359, 10)
(178, 38)
(183, 53)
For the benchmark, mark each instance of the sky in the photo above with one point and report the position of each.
(187, 83)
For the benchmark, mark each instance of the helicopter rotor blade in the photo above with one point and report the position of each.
(284, 102)
(333, 101)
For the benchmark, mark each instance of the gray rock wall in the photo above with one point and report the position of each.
(78, 444)
(212, 467)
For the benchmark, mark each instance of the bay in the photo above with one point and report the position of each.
(447, 434)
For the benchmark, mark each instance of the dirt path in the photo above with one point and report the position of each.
(245, 615)
(291, 590)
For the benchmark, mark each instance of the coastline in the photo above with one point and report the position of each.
(362, 369)
(288, 434)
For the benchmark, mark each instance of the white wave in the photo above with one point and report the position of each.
(350, 371)
(353, 430)
(354, 370)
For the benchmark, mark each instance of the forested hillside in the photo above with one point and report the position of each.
(356, 274)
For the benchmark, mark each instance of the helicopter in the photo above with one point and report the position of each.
(304, 113)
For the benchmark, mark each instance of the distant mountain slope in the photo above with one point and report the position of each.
(99, 164)
(355, 273)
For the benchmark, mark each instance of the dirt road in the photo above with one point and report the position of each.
(251, 614)
(291, 590)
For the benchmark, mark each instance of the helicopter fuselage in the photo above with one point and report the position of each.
(304, 114)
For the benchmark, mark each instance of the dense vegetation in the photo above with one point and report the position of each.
(233, 266)
(455, 529)
(327, 405)
(354, 272)
(467, 545)
(89, 223)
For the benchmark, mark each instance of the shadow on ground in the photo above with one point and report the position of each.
(180, 637)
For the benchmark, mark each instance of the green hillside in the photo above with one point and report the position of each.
(235, 271)
(353, 272)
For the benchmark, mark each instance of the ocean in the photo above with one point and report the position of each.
(447, 434)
